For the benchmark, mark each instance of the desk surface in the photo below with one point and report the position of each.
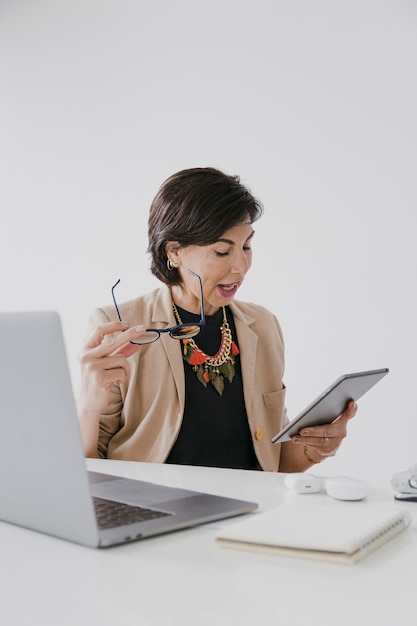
(185, 579)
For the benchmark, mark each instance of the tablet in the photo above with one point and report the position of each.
(332, 402)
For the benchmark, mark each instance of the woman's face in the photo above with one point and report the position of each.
(222, 267)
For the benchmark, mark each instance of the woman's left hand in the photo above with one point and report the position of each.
(324, 441)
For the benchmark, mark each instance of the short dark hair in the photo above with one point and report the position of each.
(196, 207)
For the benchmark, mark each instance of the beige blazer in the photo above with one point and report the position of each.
(144, 416)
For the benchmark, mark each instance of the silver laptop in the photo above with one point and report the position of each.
(44, 482)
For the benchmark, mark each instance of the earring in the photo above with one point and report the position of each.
(171, 265)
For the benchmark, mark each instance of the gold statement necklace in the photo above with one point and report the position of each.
(215, 368)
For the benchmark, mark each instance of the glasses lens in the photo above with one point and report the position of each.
(148, 337)
(185, 332)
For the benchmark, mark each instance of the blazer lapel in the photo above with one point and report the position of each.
(247, 341)
(163, 317)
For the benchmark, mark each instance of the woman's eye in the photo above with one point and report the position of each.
(218, 253)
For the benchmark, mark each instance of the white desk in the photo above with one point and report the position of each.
(185, 579)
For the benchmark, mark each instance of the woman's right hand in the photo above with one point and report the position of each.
(103, 361)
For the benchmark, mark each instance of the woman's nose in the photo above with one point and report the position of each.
(241, 264)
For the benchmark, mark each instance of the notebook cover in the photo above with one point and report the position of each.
(344, 532)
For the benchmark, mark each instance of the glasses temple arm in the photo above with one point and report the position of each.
(202, 313)
(114, 299)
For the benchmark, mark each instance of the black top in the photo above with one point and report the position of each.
(214, 430)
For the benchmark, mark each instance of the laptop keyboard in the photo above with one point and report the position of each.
(111, 514)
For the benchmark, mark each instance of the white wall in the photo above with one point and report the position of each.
(312, 103)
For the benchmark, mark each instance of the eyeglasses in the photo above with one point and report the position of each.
(180, 331)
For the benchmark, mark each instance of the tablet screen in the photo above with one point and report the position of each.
(332, 402)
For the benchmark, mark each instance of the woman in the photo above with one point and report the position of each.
(210, 391)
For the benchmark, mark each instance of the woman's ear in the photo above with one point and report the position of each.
(171, 250)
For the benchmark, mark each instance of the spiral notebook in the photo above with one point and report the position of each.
(341, 532)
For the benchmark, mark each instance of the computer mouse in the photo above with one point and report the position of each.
(345, 488)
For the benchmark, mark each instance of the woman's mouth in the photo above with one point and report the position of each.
(228, 290)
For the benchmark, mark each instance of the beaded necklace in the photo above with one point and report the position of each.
(215, 368)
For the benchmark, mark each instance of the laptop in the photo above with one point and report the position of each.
(44, 482)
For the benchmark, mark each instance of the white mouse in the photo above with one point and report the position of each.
(344, 488)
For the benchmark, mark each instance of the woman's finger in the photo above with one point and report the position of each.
(109, 338)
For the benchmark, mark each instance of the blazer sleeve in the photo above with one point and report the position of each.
(110, 420)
